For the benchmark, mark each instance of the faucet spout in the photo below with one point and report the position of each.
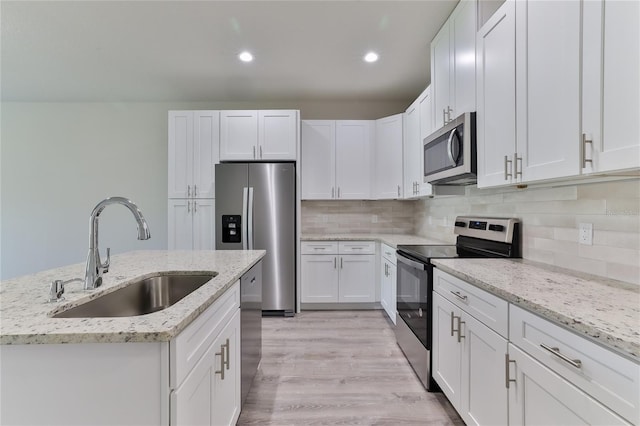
(95, 268)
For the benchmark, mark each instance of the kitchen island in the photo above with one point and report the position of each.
(157, 369)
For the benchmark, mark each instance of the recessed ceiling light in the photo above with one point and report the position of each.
(371, 57)
(245, 56)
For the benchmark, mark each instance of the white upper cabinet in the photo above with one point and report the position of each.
(610, 101)
(318, 155)
(547, 89)
(193, 152)
(388, 158)
(247, 135)
(353, 159)
(336, 159)
(278, 134)
(496, 115)
(417, 126)
(453, 65)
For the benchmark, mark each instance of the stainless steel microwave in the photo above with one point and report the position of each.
(450, 153)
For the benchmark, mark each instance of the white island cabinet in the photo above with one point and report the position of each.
(193, 379)
(143, 370)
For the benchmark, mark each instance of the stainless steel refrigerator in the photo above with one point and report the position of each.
(256, 209)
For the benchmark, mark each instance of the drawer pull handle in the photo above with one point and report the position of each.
(221, 371)
(319, 248)
(507, 380)
(458, 295)
(556, 351)
(227, 358)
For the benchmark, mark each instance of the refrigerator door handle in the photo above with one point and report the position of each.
(250, 219)
(243, 236)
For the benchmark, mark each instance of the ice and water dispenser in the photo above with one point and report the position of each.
(231, 226)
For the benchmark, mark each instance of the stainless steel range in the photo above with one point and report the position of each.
(478, 237)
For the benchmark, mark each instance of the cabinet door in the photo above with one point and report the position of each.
(541, 397)
(204, 224)
(277, 134)
(319, 274)
(318, 154)
(191, 403)
(463, 52)
(426, 128)
(446, 351)
(353, 159)
(496, 114)
(225, 405)
(388, 158)
(412, 152)
(180, 225)
(385, 287)
(392, 292)
(548, 50)
(484, 398)
(238, 135)
(180, 154)
(206, 152)
(610, 101)
(440, 75)
(357, 278)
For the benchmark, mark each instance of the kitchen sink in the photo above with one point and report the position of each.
(144, 296)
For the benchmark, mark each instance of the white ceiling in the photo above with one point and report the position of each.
(187, 50)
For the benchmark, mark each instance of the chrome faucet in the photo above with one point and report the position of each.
(95, 268)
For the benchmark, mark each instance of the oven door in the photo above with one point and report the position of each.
(414, 297)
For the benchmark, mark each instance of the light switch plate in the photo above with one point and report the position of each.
(585, 234)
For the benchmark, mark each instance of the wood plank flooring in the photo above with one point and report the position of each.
(338, 367)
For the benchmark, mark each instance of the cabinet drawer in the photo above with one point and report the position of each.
(388, 252)
(319, 247)
(189, 346)
(605, 375)
(485, 307)
(357, 247)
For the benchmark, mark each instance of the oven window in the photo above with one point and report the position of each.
(413, 300)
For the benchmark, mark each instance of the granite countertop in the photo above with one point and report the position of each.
(393, 240)
(25, 315)
(607, 311)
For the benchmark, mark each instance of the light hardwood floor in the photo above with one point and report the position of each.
(338, 367)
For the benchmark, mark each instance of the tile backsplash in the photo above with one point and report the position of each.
(358, 217)
(550, 220)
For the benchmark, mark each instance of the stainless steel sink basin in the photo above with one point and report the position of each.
(141, 297)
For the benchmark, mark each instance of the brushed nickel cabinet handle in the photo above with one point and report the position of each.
(556, 351)
(340, 263)
(459, 296)
(452, 319)
(221, 371)
(507, 380)
(335, 264)
(506, 163)
(227, 358)
(195, 207)
(260, 151)
(338, 192)
(254, 152)
(398, 190)
(188, 190)
(195, 190)
(460, 335)
(188, 206)
(585, 140)
(515, 166)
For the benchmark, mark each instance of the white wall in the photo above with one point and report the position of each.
(58, 160)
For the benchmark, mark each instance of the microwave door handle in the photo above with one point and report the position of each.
(450, 147)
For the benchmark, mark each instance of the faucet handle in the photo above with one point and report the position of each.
(105, 265)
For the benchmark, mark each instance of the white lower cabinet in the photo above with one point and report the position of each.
(205, 366)
(388, 281)
(468, 364)
(346, 274)
(210, 393)
(500, 364)
(538, 396)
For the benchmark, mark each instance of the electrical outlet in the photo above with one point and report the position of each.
(585, 234)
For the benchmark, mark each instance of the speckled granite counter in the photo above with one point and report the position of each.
(390, 239)
(606, 311)
(25, 316)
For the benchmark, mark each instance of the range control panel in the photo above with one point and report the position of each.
(231, 228)
(488, 228)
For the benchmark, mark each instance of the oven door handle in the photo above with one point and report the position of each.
(418, 265)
